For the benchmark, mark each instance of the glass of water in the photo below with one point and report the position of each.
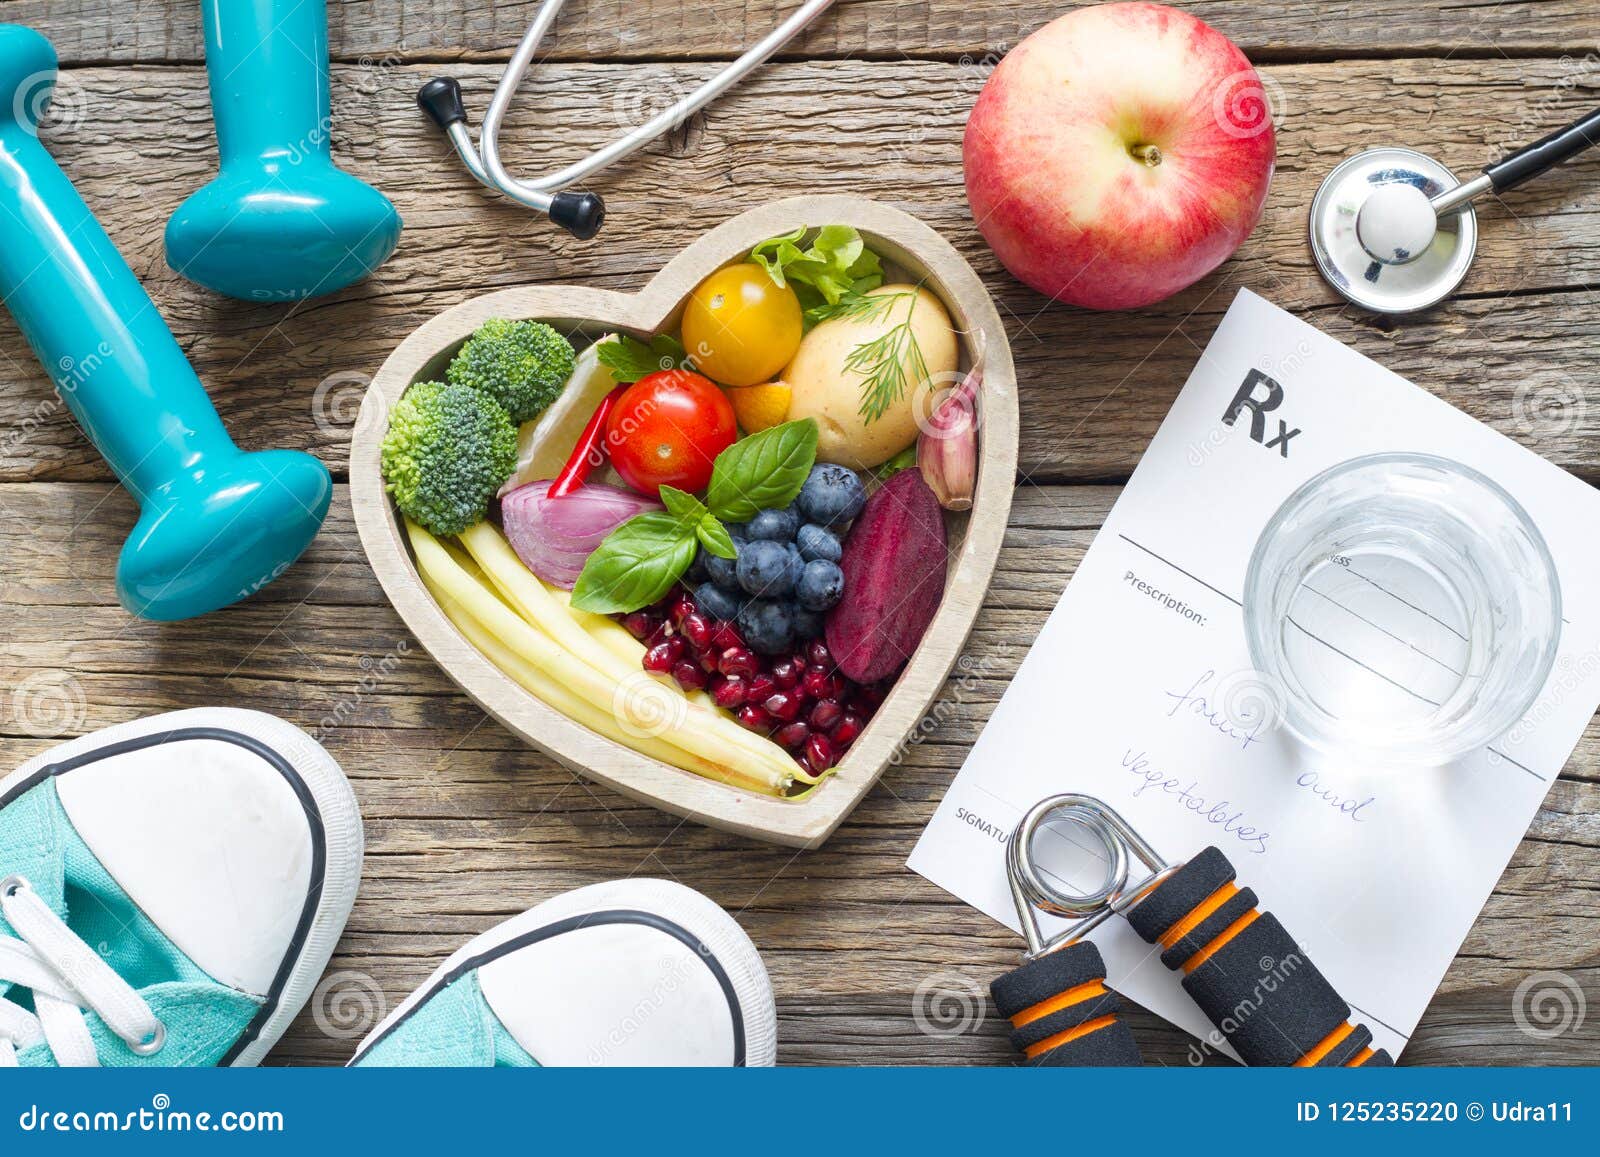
(1405, 608)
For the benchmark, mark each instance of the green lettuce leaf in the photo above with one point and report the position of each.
(835, 265)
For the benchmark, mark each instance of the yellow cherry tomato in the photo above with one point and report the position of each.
(760, 407)
(739, 327)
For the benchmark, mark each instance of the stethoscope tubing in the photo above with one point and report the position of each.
(483, 160)
(1524, 164)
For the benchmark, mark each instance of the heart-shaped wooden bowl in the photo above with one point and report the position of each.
(974, 538)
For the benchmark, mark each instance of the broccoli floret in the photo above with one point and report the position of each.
(521, 364)
(448, 449)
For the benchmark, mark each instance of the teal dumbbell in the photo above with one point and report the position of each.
(280, 222)
(216, 523)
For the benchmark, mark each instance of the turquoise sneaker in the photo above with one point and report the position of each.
(636, 972)
(170, 890)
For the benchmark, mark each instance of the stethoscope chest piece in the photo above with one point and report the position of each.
(1364, 256)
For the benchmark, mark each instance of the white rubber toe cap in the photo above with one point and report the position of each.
(654, 974)
(211, 840)
(629, 973)
(612, 994)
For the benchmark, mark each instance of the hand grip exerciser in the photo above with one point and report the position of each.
(280, 222)
(1239, 964)
(1062, 1013)
(216, 523)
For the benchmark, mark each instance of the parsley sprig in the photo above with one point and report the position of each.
(890, 363)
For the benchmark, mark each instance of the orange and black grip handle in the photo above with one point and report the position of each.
(1247, 974)
(1062, 1013)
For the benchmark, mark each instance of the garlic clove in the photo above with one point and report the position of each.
(947, 449)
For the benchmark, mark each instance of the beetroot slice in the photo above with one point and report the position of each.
(894, 563)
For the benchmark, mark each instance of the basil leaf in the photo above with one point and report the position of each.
(682, 505)
(715, 537)
(635, 565)
(668, 349)
(629, 359)
(762, 471)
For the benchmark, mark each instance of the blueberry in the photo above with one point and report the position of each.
(721, 571)
(807, 624)
(737, 530)
(764, 569)
(774, 525)
(767, 626)
(697, 569)
(820, 586)
(797, 564)
(818, 542)
(716, 602)
(832, 495)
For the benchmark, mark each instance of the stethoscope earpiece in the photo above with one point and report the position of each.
(440, 98)
(580, 214)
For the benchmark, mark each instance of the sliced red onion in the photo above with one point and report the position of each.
(554, 537)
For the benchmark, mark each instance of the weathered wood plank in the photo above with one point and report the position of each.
(466, 826)
(1476, 1028)
(1517, 350)
(155, 31)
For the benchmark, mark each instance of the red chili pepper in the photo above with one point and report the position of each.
(589, 452)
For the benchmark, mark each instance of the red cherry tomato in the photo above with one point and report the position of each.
(667, 429)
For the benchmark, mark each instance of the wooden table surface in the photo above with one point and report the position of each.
(465, 825)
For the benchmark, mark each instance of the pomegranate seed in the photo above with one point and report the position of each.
(689, 676)
(659, 633)
(784, 706)
(818, 655)
(755, 718)
(819, 753)
(658, 660)
(825, 714)
(638, 624)
(785, 673)
(729, 692)
(697, 629)
(818, 684)
(846, 730)
(873, 695)
(761, 686)
(682, 607)
(725, 635)
(792, 735)
(738, 661)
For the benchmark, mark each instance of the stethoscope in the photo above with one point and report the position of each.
(580, 213)
(1394, 231)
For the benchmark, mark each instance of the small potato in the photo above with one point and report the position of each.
(827, 389)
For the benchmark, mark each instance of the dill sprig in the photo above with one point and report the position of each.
(891, 362)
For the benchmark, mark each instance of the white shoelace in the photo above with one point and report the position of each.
(66, 976)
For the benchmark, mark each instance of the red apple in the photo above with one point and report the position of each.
(1119, 154)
